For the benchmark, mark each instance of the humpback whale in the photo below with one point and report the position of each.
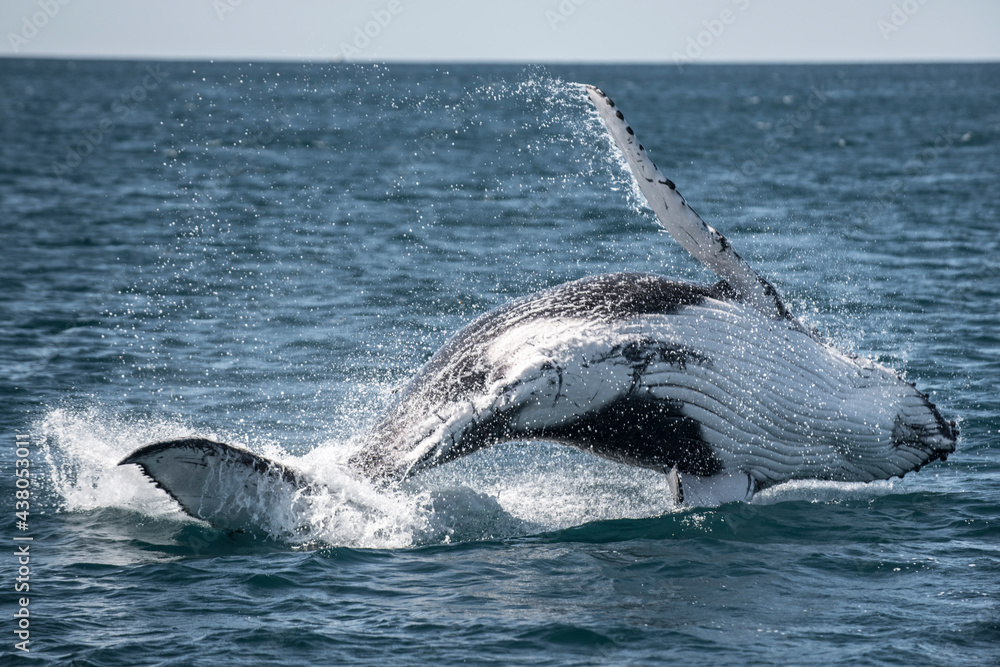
(718, 386)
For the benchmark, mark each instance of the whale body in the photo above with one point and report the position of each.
(661, 374)
(717, 386)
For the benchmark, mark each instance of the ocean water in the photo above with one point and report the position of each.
(263, 253)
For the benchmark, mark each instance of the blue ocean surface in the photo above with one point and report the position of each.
(263, 253)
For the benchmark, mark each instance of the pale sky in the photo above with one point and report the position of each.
(506, 31)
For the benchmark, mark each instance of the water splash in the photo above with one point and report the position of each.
(512, 490)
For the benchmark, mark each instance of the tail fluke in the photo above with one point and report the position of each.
(230, 488)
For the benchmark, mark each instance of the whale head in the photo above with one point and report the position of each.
(920, 430)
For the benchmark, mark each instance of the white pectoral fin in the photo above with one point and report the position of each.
(694, 491)
(675, 215)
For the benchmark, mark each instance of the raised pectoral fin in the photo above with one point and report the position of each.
(676, 216)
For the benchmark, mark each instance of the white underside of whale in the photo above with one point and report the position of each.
(772, 401)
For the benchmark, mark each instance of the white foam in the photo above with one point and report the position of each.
(82, 450)
(512, 490)
(825, 491)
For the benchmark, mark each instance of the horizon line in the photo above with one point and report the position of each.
(474, 61)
